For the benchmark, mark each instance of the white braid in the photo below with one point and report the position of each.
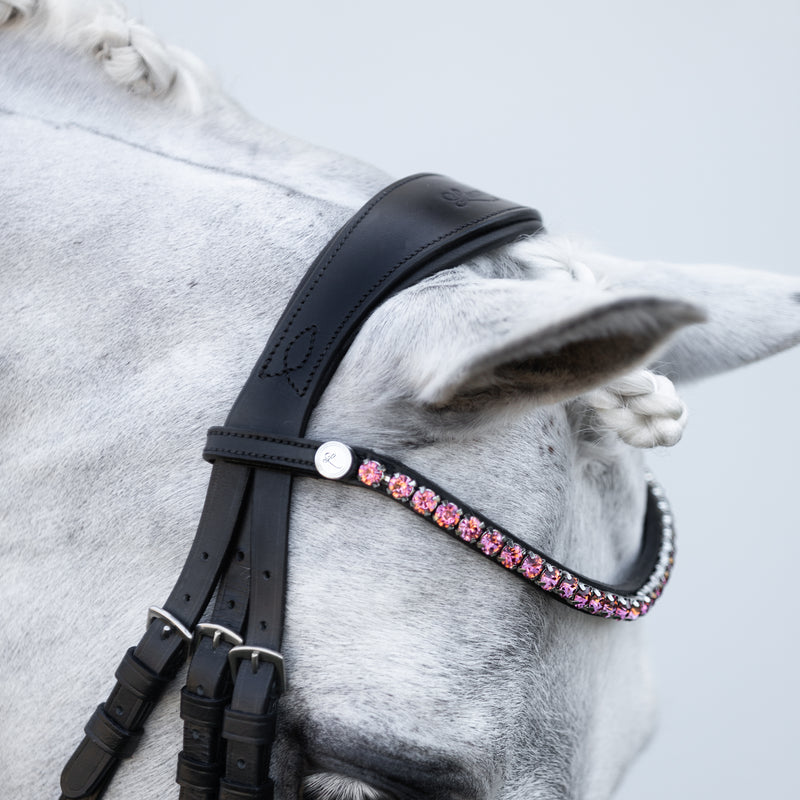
(130, 53)
(18, 9)
(643, 408)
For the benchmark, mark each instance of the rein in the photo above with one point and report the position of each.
(412, 229)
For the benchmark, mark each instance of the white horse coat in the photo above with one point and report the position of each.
(146, 250)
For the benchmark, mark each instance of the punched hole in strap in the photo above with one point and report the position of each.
(198, 710)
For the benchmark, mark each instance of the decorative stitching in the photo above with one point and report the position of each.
(385, 276)
(302, 390)
(341, 242)
(287, 370)
(261, 437)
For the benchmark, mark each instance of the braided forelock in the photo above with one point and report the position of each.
(642, 408)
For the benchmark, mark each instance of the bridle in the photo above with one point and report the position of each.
(410, 230)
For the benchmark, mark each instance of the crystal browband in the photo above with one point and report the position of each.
(357, 467)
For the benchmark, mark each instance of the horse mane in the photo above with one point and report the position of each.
(131, 55)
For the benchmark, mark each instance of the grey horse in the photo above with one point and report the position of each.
(150, 239)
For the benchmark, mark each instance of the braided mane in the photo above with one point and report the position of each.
(130, 53)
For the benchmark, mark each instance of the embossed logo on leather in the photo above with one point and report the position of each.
(460, 198)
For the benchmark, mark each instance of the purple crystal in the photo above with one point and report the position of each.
(532, 566)
(490, 543)
(469, 529)
(549, 578)
(581, 598)
(567, 587)
(511, 556)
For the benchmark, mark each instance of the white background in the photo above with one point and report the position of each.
(664, 130)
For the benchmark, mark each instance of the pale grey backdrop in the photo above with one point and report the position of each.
(665, 130)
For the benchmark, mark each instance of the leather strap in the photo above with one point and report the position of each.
(412, 229)
(208, 680)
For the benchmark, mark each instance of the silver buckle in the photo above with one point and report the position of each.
(217, 633)
(257, 654)
(172, 623)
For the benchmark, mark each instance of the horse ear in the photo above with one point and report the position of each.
(542, 341)
(751, 314)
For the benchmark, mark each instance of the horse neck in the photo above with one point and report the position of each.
(48, 82)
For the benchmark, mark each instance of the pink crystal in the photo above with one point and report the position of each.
(511, 556)
(491, 542)
(595, 604)
(532, 566)
(370, 473)
(424, 501)
(608, 606)
(447, 515)
(581, 598)
(401, 487)
(568, 587)
(622, 611)
(470, 528)
(549, 578)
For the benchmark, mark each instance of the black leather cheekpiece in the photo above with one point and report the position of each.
(410, 230)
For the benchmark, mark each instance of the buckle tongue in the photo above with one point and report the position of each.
(256, 655)
(172, 623)
(217, 633)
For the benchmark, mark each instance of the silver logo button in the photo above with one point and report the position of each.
(333, 460)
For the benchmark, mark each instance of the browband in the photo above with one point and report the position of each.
(357, 466)
(410, 230)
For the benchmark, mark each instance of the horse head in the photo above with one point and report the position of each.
(153, 238)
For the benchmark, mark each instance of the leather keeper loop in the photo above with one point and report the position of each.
(109, 736)
(249, 447)
(202, 710)
(138, 678)
(241, 726)
(192, 774)
(229, 790)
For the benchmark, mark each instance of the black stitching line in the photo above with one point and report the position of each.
(260, 457)
(286, 369)
(262, 438)
(386, 275)
(328, 262)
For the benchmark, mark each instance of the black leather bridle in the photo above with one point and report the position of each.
(412, 229)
